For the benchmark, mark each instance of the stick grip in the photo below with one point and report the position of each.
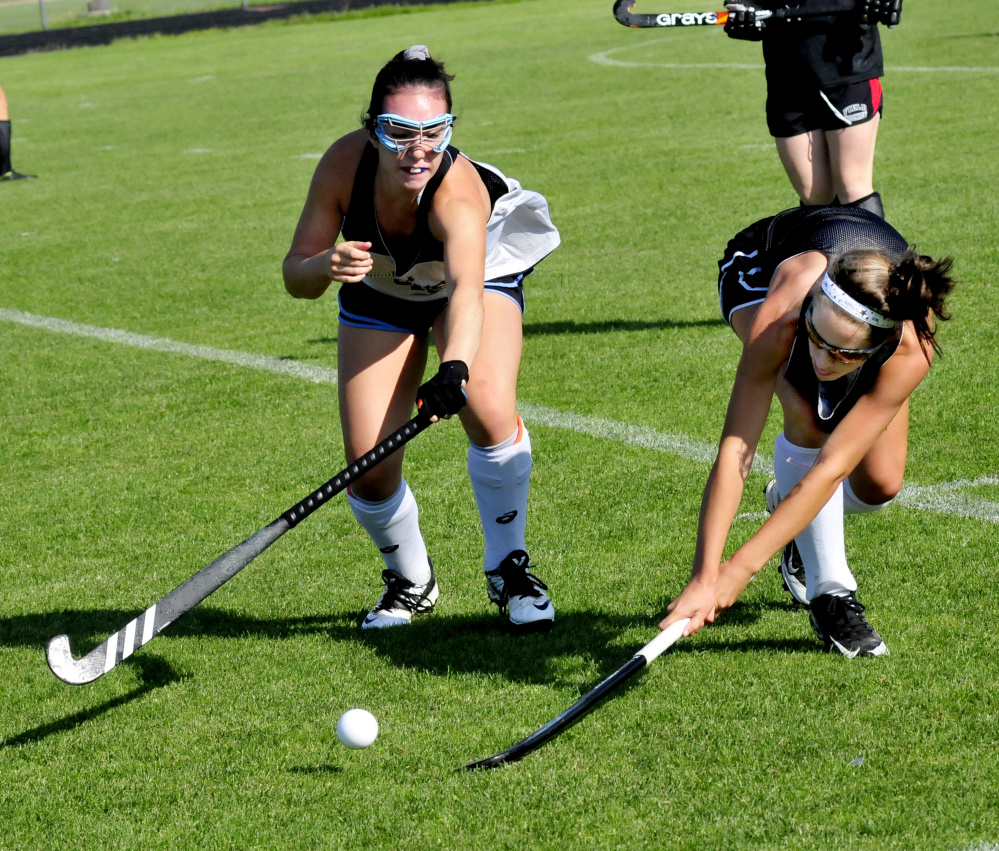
(297, 513)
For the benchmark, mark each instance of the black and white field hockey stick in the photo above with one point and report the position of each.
(623, 14)
(209, 579)
(648, 654)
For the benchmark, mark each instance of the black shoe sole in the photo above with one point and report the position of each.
(528, 628)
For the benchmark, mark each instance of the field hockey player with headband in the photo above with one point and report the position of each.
(836, 314)
(428, 240)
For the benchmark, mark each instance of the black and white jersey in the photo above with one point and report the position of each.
(519, 233)
(754, 254)
(831, 230)
(832, 400)
(822, 51)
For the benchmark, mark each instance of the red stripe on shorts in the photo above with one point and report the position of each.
(876, 95)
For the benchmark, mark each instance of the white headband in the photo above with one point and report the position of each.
(854, 307)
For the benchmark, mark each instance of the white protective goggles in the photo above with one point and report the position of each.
(400, 134)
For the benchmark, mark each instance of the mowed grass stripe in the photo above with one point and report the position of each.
(943, 498)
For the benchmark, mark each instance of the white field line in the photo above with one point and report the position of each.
(317, 374)
(943, 498)
(604, 58)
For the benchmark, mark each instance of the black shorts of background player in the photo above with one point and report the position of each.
(824, 98)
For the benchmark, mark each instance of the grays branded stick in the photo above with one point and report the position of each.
(624, 15)
(649, 653)
(209, 579)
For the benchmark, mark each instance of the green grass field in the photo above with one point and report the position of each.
(171, 175)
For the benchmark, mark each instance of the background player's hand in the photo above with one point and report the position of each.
(444, 394)
(743, 23)
(350, 262)
(697, 602)
(887, 12)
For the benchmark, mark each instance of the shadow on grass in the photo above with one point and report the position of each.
(532, 329)
(153, 673)
(581, 648)
(539, 329)
(326, 768)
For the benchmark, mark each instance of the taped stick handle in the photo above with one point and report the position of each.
(297, 513)
(624, 15)
(662, 642)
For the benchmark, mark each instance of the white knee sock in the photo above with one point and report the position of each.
(501, 477)
(394, 526)
(821, 544)
(853, 504)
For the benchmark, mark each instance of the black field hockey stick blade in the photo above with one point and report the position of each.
(210, 578)
(650, 652)
(624, 15)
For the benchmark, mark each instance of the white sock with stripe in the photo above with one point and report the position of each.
(501, 478)
(822, 544)
(394, 526)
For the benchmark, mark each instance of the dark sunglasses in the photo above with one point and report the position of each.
(835, 352)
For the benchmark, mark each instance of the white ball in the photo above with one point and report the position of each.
(357, 728)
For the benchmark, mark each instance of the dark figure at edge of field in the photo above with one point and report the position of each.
(6, 166)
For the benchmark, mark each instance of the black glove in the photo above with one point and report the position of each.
(742, 22)
(443, 395)
(887, 12)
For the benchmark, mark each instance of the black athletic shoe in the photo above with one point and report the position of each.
(520, 594)
(400, 600)
(792, 568)
(15, 175)
(840, 624)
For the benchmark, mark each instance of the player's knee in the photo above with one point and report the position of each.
(881, 490)
(377, 484)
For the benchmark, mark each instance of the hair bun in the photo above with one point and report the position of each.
(418, 52)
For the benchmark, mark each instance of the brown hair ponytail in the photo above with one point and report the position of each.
(917, 287)
(914, 288)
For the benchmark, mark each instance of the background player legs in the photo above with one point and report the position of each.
(6, 167)
(805, 158)
(851, 160)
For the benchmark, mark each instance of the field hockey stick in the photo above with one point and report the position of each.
(623, 14)
(209, 579)
(648, 654)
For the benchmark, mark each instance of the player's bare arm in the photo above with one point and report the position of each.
(458, 219)
(315, 259)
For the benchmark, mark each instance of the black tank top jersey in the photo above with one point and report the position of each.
(420, 246)
(832, 400)
(831, 230)
(823, 51)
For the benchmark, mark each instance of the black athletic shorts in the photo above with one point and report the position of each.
(792, 111)
(743, 278)
(365, 307)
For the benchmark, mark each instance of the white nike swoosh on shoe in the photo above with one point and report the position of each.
(850, 654)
